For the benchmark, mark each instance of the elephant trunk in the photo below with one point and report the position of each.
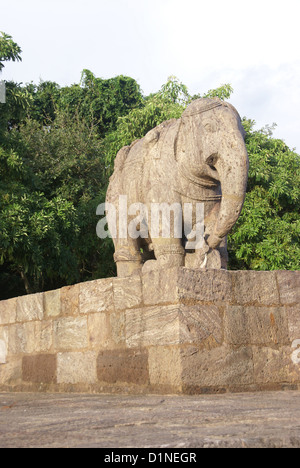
(232, 167)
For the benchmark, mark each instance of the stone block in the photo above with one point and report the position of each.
(124, 365)
(106, 330)
(8, 311)
(3, 351)
(289, 287)
(70, 333)
(216, 368)
(39, 336)
(127, 292)
(16, 337)
(76, 367)
(165, 367)
(69, 299)
(11, 371)
(30, 308)
(201, 323)
(152, 326)
(30, 337)
(255, 287)
(273, 365)
(117, 328)
(161, 286)
(204, 285)
(96, 296)
(293, 315)
(255, 325)
(99, 330)
(40, 368)
(174, 324)
(52, 303)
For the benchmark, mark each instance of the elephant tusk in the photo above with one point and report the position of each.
(203, 264)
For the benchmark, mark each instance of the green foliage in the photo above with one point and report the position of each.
(9, 50)
(57, 148)
(14, 111)
(267, 234)
(168, 103)
(223, 92)
(101, 101)
(52, 179)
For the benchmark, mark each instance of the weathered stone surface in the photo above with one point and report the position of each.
(127, 292)
(289, 287)
(96, 296)
(52, 303)
(170, 423)
(218, 367)
(11, 371)
(99, 330)
(70, 333)
(255, 287)
(160, 286)
(40, 368)
(39, 336)
(30, 308)
(117, 327)
(274, 365)
(16, 337)
(165, 367)
(205, 285)
(29, 337)
(69, 297)
(8, 311)
(201, 323)
(255, 325)
(152, 326)
(3, 352)
(293, 314)
(199, 338)
(130, 366)
(76, 367)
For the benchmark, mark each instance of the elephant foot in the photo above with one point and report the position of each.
(210, 259)
(165, 261)
(128, 268)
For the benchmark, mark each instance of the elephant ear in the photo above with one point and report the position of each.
(167, 143)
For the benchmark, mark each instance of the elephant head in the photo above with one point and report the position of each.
(210, 148)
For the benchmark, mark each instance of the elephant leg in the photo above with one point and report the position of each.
(223, 253)
(128, 257)
(169, 252)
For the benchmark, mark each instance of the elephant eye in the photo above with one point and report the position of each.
(210, 126)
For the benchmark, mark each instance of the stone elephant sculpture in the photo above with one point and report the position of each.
(200, 158)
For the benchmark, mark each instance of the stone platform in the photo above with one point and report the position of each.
(153, 422)
(172, 331)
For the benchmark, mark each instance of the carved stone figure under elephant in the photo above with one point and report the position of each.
(199, 158)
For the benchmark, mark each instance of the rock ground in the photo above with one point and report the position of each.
(270, 419)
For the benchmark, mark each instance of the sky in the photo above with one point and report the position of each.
(253, 45)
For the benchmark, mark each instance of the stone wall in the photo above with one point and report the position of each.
(176, 330)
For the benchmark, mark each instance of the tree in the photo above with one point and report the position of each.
(168, 103)
(9, 50)
(267, 234)
(101, 101)
(57, 148)
(52, 179)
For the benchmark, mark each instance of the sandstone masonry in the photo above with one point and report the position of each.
(177, 330)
